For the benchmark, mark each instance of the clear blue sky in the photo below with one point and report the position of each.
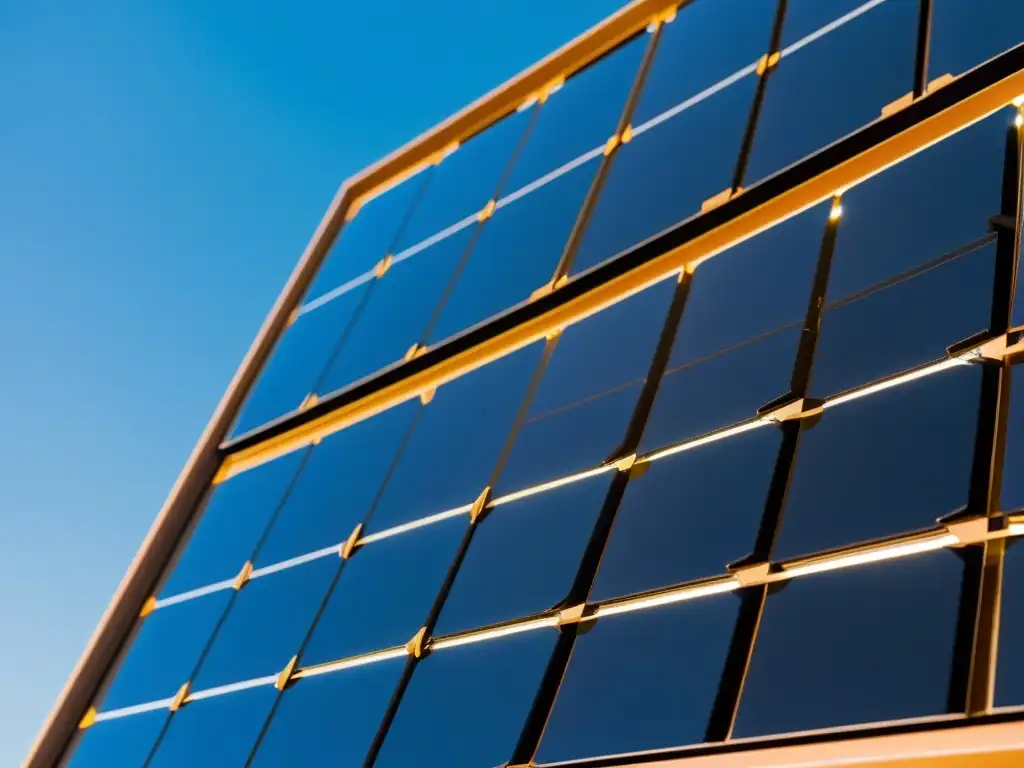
(162, 165)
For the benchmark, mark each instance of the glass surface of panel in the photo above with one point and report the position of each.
(805, 17)
(397, 313)
(903, 325)
(929, 205)
(465, 706)
(854, 646)
(336, 486)
(693, 54)
(124, 742)
(642, 681)
(1009, 687)
(1012, 493)
(966, 33)
(231, 524)
(385, 592)
(298, 361)
(580, 116)
(219, 732)
(663, 175)
(465, 180)
(266, 624)
(834, 85)
(165, 651)
(698, 397)
(523, 556)
(688, 516)
(752, 288)
(365, 239)
(890, 463)
(516, 252)
(329, 719)
(569, 440)
(465, 426)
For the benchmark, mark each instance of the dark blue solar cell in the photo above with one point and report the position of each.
(385, 592)
(646, 680)
(516, 253)
(329, 719)
(755, 287)
(889, 463)
(608, 350)
(1009, 667)
(165, 651)
(336, 486)
(966, 33)
(855, 646)
(905, 324)
(465, 180)
(694, 55)
(230, 526)
(569, 440)
(890, 225)
(580, 116)
(397, 314)
(298, 361)
(688, 516)
(215, 733)
(365, 239)
(124, 742)
(266, 624)
(464, 426)
(1012, 494)
(664, 174)
(465, 706)
(834, 85)
(694, 398)
(550, 531)
(806, 17)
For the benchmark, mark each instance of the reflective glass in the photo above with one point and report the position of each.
(580, 116)
(465, 706)
(704, 395)
(1012, 495)
(465, 180)
(905, 324)
(365, 239)
(834, 84)
(124, 742)
(329, 719)
(1009, 667)
(688, 516)
(385, 592)
(215, 733)
(645, 680)
(966, 33)
(548, 531)
(694, 55)
(397, 314)
(930, 204)
(297, 362)
(859, 645)
(664, 174)
(266, 624)
(337, 485)
(890, 463)
(455, 446)
(164, 653)
(236, 515)
(754, 287)
(516, 252)
(805, 17)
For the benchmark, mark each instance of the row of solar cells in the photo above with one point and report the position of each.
(913, 266)
(543, 172)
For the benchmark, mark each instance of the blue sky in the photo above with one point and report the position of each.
(162, 165)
